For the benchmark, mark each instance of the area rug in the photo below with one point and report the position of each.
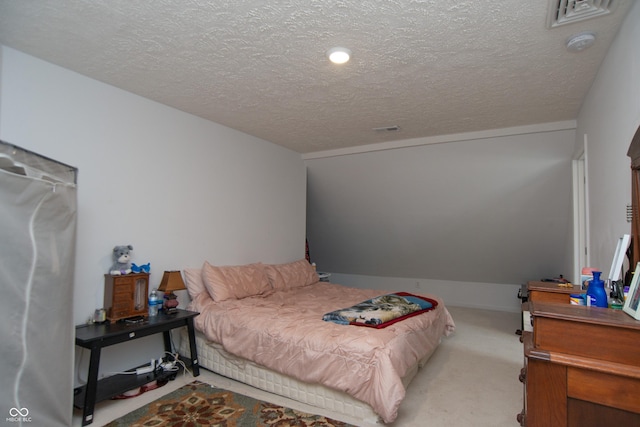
(199, 404)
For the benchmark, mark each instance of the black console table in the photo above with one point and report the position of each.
(96, 336)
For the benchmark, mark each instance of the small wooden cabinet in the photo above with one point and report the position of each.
(126, 296)
(582, 367)
(551, 292)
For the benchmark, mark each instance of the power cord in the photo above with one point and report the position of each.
(171, 365)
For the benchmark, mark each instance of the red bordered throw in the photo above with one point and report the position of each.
(382, 311)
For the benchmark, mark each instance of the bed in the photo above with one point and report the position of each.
(263, 324)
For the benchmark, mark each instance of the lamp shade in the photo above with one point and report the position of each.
(171, 281)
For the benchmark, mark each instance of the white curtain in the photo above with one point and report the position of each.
(37, 257)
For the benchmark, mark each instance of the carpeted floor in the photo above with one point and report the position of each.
(200, 404)
(470, 381)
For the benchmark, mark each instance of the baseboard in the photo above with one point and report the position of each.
(486, 296)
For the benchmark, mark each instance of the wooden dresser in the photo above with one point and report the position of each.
(582, 367)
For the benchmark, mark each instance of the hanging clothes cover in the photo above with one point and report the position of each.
(38, 207)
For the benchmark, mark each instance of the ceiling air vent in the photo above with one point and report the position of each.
(562, 12)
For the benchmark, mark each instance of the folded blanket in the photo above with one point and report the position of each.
(382, 311)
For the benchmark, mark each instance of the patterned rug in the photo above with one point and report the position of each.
(199, 404)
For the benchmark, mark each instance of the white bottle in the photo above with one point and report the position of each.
(154, 303)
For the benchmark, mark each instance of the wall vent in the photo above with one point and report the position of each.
(394, 128)
(562, 12)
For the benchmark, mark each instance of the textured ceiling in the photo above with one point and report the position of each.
(431, 67)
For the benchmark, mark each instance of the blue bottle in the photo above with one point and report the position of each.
(596, 295)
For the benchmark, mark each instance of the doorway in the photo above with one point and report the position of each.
(580, 213)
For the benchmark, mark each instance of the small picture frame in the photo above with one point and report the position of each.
(632, 303)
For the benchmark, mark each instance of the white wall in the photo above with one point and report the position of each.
(180, 189)
(484, 211)
(609, 117)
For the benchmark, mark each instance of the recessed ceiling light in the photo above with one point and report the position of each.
(339, 55)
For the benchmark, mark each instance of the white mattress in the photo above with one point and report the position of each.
(213, 357)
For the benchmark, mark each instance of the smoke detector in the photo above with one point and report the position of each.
(581, 41)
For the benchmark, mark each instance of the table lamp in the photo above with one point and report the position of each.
(171, 281)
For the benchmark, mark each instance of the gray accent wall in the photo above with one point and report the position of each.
(494, 210)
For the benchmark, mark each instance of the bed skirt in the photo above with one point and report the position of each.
(213, 357)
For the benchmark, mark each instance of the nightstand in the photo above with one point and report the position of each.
(552, 292)
(324, 277)
(538, 291)
(96, 336)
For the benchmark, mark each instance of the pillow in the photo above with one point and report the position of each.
(235, 282)
(291, 275)
(194, 283)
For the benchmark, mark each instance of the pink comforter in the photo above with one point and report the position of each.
(285, 332)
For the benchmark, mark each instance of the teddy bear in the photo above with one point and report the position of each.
(121, 260)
